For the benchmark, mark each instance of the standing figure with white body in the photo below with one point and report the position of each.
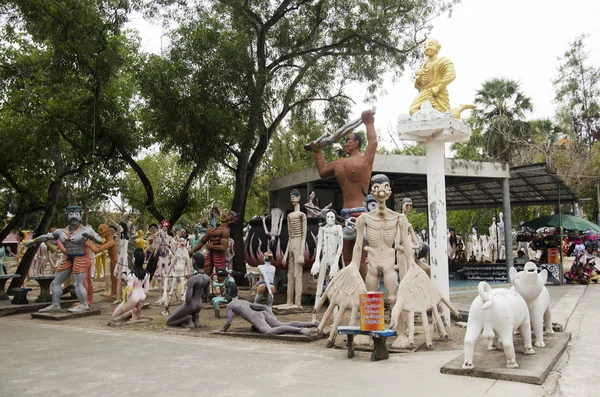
(266, 282)
(329, 243)
(122, 266)
(180, 264)
(164, 251)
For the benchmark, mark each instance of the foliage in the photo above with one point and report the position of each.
(578, 93)
(500, 116)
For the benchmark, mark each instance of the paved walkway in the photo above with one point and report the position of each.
(57, 360)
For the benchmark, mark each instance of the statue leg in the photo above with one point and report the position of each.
(59, 278)
(290, 284)
(81, 292)
(390, 281)
(298, 284)
(196, 319)
(320, 282)
(372, 278)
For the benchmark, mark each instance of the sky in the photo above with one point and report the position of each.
(517, 39)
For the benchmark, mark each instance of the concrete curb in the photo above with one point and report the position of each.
(564, 308)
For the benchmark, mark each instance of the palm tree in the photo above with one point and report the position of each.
(500, 115)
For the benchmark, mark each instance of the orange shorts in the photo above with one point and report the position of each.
(262, 288)
(78, 264)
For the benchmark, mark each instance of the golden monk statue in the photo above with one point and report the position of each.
(432, 79)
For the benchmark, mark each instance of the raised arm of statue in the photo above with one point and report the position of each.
(41, 239)
(371, 149)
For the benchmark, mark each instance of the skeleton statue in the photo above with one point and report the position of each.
(153, 242)
(266, 287)
(383, 228)
(181, 264)
(164, 251)
(230, 254)
(134, 295)
(475, 246)
(329, 243)
(294, 253)
(73, 237)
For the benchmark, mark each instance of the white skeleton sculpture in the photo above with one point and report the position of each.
(382, 229)
(164, 252)
(294, 253)
(181, 263)
(329, 243)
(495, 241)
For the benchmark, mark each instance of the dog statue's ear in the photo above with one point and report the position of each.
(512, 274)
(544, 275)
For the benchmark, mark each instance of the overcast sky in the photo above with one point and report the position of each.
(517, 39)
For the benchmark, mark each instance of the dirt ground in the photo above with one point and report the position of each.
(210, 323)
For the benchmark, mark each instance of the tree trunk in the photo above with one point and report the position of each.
(44, 225)
(53, 193)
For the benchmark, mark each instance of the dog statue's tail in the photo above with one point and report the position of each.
(485, 293)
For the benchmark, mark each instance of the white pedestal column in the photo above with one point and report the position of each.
(438, 239)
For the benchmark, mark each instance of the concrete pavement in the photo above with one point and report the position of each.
(57, 360)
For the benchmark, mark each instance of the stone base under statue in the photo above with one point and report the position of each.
(247, 332)
(64, 314)
(282, 310)
(7, 309)
(126, 323)
(492, 363)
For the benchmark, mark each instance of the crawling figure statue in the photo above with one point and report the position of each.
(498, 313)
(263, 320)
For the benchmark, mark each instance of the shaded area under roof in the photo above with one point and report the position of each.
(469, 184)
(534, 184)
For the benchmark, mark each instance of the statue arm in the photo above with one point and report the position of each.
(340, 246)
(325, 169)
(304, 227)
(358, 245)
(448, 74)
(316, 265)
(40, 239)
(287, 248)
(371, 149)
(229, 319)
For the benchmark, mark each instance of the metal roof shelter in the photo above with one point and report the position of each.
(469, 184)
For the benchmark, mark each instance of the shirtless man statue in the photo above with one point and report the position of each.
(353, 174)
(216, 241)
(294, 252)
(73, 238)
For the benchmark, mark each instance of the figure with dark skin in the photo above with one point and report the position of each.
(188, 314)
(353, 173)
(263, 320)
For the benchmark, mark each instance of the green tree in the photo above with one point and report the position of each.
(261, 60)
(578, 92)
(500, 116)
(67, 95)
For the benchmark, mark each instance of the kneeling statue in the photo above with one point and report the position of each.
(188, 314)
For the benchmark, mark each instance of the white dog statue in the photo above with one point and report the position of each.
(497, 313)
(531, 285)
